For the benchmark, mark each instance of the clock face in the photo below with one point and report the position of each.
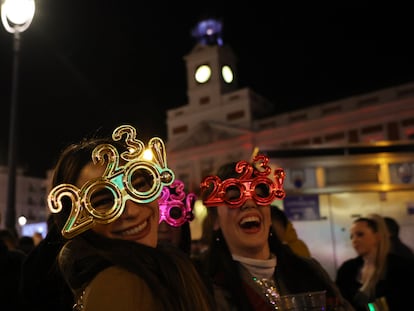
(227, 74)
(202, 74)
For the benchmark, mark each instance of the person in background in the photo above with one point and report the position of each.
(375, 278)
(397, 246)
(287, 233)
(25, 244)
(37, 238)
(105, 192)
(247, 266)
(42, 285)
(9, 239)
(176, 211)
(11, 261)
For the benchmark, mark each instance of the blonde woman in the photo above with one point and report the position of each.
(375, 277)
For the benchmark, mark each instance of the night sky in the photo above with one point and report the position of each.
(87, 66)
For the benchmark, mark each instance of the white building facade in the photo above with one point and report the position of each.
(30, 198)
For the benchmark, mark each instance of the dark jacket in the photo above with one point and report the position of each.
(42, 285)
(10, 266)
(393, 286)
(399, 248)
(293, 274)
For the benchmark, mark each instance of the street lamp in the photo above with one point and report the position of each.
(16, 16)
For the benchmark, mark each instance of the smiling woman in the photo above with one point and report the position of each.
(104, 198)
(250, 267)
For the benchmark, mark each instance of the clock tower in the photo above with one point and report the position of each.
(211, 66)
(216, 125)
(217, 109)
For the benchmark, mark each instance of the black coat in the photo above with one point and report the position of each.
(10, 267)
(293, 274)
(42, 284)
(393, 286)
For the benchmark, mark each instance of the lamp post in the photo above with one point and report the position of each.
(16, 16)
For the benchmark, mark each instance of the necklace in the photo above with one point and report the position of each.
(269, 289)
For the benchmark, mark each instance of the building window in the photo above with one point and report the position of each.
(351, 174)
(317, 140)
(267, 125)
(204, 100)
(300, 142)
(371, 129)
(408, 122)
(331, 110)
(235, 115)
(234, 97)
(353, 136)
(406, 92)
(393, 131)
(180, 129)
(367, 101)
(298, 117)
(334, 137)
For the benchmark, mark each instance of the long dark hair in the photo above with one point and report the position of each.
(298, 274)
(170, 275)
(69, 165)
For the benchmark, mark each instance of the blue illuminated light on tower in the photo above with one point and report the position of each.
(208, 32)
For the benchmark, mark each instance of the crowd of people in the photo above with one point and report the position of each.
(119, 239)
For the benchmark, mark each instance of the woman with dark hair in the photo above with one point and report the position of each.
(375, 278)
(397, 246)
(248, 266)
(286, 233)
(105, 196)
(176, 212)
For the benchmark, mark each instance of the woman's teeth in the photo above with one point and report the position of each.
(136, 229)
(249, 219)
(250, 222)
